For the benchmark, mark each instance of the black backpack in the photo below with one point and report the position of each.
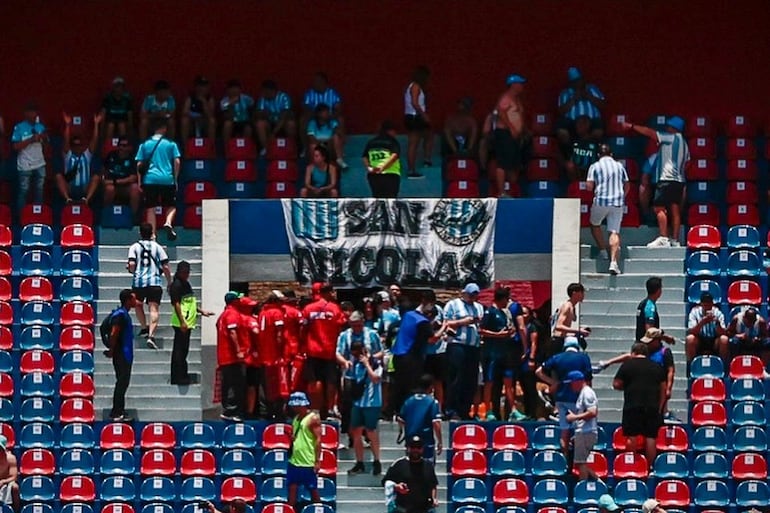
(105, 328)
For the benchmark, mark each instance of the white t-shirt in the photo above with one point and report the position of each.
(586, 400)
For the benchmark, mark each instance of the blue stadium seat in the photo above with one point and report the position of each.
(77, 435)
(549, 463)
(37, 384)
(274, 489)
(325, 508)
(327, 491)
(6, 362)
(240, 190)
(469, 490)
(703, 263)
(36, 507)
(752, 493)
(36, 337)
(37, 312)
(698, 287)
(747, 390)
(117, 217)
(507, 463)
(710, 465)
(198, 435)
(76, 288)
(76, 461)
(602, 440)
(748, 413)
(198, 489)
(701, 192)
(707, 366)
(712, 494)
(7, 410)
(671, 465)
(37, 489)
(158, 489)
(36, 262)
(239, 436)
(76, 263)
(77, 507)
(117, 462)
(37, 409)
(631, 492)
(36, 236)
(117, 489)
(36, 435)
(77, 361)
(194, 170)
(238, 462)
(749, 438)
(587, 492)
(543, 189)
(743, 262)
(275, 462)
(512, 509)
(546, 437)
(743, 236)
(158, 507)
(550, 491)
(709, 438)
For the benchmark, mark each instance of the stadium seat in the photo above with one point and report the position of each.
(76, 289)
(670, 465)
(117, 217)
(548, 463)
(237, 462)
(75, 213)
(192, 219)
(703, 263)
(278, 507)
(6, 264)
(710, 465)
(707, 365)
(632, 169)
(7, 431)
(698, 287)
(118, 507)
(117, 435)
(157, 435)
(240, 171)
(542, 124)
(673, 492)
(463, 189)
(36, 435)
(546, 437)
(700, 126)
(36, 288)
(544, 146)
(281, 148)
(749, 438)
(37, 384)
(77, 409)
(7, 364)
(277, 436)
(37, 489)
(35, 213)
(597, 462)
(587, 492)
(282, 171)
(76, 462)
(6, 236)
(742, 193)
(702, 169)
(744, 263)
(711, 494)
(703, 213)
(36, 361)
(36, 262)
(630, 465)
(275, 462)
(77, 313)
(36, 236)
(35, 507)
(238, 488)
(161, 489)
(240, 190)
(6, 385)
(201, 148)
(708, 389)
(743, 237)
(239, 436)
(708, 413)
(748, 413)
(709, 438)
(199, 169)
(462, 169)
(76, 337)
(240, 148)
(702, 147)
(36, 337)
(542, 169)
(702, 192)
(749, 466)
(703, 237)
(274, 489)
(37, 462)
(744, 292)
(469, 436)
(580, 190)
(328, 463)
(7, 410)
(158, 507)
(77, 489)
(6, 339)
(77, 236)
(6, 313)
(158, 462)
(196, 192)
(742, 170)
(76, 507)
(468, 462)
(198, 435)
(550, 491)
(510, 436)
(77, 361)
(752, 493)
(741, 148)
(198, 462)
(506, 492)
(746, 367)
(277, 190)
(507, 462)
(327, 491)
(742, 214)
(747, 390)
(740, 126)
(196, 489)
(330, 437)
(117, 462)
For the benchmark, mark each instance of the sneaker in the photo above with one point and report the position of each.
(121, 418)
(427, 163)
(358, 468)
(596, 369)
(490, 417)
(332, 415)
(144, 332)
(414, 175)
(151, 343)
(603, 255)
(553, 417)
(170, 233)
(516, 416)
(674, 243)
(660, 242)
(671, 418)
(230, 417)
(614, 268)
(343, 165)
(546, 398)
(376, 468)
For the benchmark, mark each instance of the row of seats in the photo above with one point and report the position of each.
(739, 292)
(157, 507)
(40, 235)
(39, 287)
(46, 338)
(37, 262)
(36, 213)
(37, 360)
(46, 312)
(41, 384)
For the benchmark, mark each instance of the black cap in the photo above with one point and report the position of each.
(183, 265)
(706, 297)
(414, 441)
(387, 126)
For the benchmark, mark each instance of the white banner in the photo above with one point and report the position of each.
(370, 243)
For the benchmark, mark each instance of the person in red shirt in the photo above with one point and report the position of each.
(293, 353)
(270, 350)
(232, 345)
(253, 368)
(323, 322)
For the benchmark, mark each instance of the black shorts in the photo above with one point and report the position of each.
(253, 376)
(384, 185)
(148, 294)
(569, 125)
(116, 118)
(318, 369)
(706, 344)
(414, 123)
(642, 421)
(667, 194)
(507, 150)
(435, 365)
(159, 195)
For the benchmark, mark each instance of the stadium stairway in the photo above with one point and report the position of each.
(150, 396)
(353, 183)
(609, 309)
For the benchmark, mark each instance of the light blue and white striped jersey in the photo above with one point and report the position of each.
(322, 133)
(581, 107)
(385, 320)
(329, 97)
(274, 106)
(149, 257)
(161, 169)
(83, 170)
(609, 176)
(440, 346)
(32, 156)
(241, 108)
(458, 309)
(709, 329)
(369, 337)
(151, 104)
(673, 155)
(372, 397)
(315, 219)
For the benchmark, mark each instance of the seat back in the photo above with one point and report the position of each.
(158, 462)
(550, 491)
(469, 436)
(510, 436)
(707, 365)
(237, 462)
(671, 465)
(711, 493)
(743, 237)
(746, 367)
(198, 462)
(698, 287)
(36, 235)
(282, 171)
(749, 466)
(749, 438)
(673, 492)
(710, 465)
(77, 436)
(468, 462)
(76, 262)
(707, 389)
(36, 262)
(76, 289)
(158, 435)
(703, 263)
(76, 337)
(117, 435)
(630, 492)
(239, 488)
(198, 435)
(77, 236)
(239, 436)
(36, 337)
(117, 462)
(752, 493)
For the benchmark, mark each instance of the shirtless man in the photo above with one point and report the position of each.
(9, 472)
(564, 317)
(508, 132)
(461, 130)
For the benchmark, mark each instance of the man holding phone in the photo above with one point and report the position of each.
(706, 331)
(411, 485)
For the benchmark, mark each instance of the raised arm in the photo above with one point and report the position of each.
(640, 129)
(98, 118)
(67, 132)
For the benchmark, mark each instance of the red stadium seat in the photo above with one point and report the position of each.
(77, 213)
(192, 219)
(630, 465)
(281, 148)
(282, 171)
(330, 437)
(239, 148)
(650, 148)
(196, 192)
(462, 169)
(749, 466)
(6, 338)
(469, 462)
(77, 313)
(76, 337)
(77, 384)
(462, 189)
(77, 409)
(632, 198)
(742, 170)
(469, 436)
(700, 126)
(512, 190)
(510, 436)
(740, 126)
(198, 462)
(158, 462)
(597, 462)
(110, 145)
(240, 171)
(585, 215)
(615, 124)
(77, 489)
(702, 148)
(35, 213)
(6, 263)
(510, 491)
(742, 214)
(741, 148)
(6, 384)
(544, 146)
(199, 148)
(744, 292)
(746, 367)
(620, 442)
(328, 463)
(708, 389)
(117, 435)
(276, 190)
(580, 190)
(631, 216)
(632, 169)
(542, 169)
(242, 488)
(277, 436)
(742, 193)
(77, 236)
(704, 170)
(278, 507)
(6, 236)
(6, 313)
(703, 213)
(672, 438)
(6, 291)
(673, 493)
(704, 237)
(5, 220)
(36, 360)
(709, 413)
(158, 435)
(542, 124)
(36, 288)
(37, 462)
(118, 507)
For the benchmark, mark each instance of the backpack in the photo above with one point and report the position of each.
(105, 328)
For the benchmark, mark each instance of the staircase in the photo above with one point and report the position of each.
(150, 396)
(610, 305)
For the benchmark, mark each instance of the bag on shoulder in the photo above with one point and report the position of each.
(105, 328)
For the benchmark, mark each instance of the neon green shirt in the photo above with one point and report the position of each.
(303, 446)
(381, 148)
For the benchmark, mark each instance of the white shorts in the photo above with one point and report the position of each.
(614, 216)
(6, 494)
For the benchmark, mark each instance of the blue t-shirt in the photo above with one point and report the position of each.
(322, 132)
(372, 397)
(562, 364)
(274, 106)
(161, 169)
(240, 109)
(418, 413)
(496, 319)
(32, 156)
(121, 318)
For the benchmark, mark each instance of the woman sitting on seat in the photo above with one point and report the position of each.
(320, 175)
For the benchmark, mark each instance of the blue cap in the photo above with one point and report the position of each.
(574, 74)
(515, 79)
(574, 375)
(298, 399)
(676, 123)
(471, 288)
(571, 342)
(607, 502)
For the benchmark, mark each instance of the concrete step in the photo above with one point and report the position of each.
(636, 280)
(120, 280)
(634, 252)
(151, 357)
(623, 319)
(623, 305)
(157, 414)
(635, 266)
(141, 389)
(640, 236)
(120, 252)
